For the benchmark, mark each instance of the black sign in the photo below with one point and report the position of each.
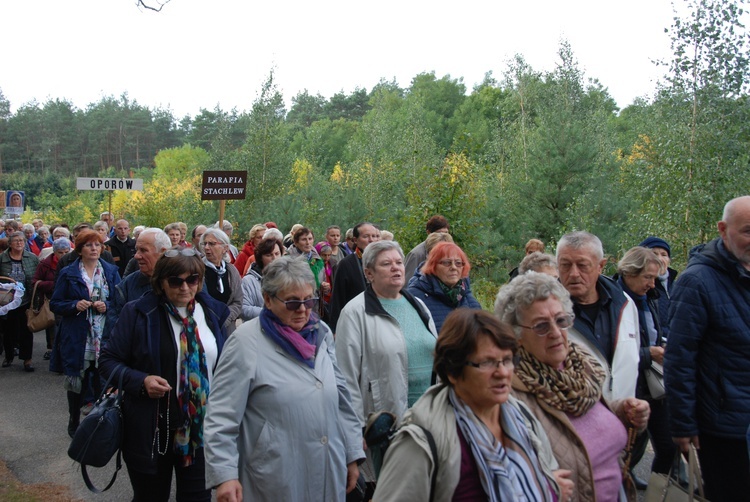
(223, 185)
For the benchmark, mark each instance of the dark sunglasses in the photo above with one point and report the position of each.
(295, 304)
(176, 282)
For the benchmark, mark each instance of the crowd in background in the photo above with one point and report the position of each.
(265, 370)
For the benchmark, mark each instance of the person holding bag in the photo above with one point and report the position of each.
(82, 296)
(168, 342)
(44, 280)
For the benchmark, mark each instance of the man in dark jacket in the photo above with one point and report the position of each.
(707, 361)
(349, 278)
(122, 246)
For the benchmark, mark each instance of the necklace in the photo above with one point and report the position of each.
(157, 443)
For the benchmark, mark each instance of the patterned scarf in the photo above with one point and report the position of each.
(300, 345)
(505, 473)
(573, 389)
(455, 293)
(193, 386)
(98, 291)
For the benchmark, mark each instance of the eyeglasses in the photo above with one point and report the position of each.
(492, 364)
(545, 327)
(171, 253)
(448, 263)
(176, 282)
(211, 244)
(309, 304)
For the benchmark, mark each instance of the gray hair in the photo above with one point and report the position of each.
(43, 228)
(579, 240)
(226, 226)
(286, 272)
(172, 226)
(63, 230)
(635, 261)
(373, 250)
(161, 239)
(28, 226)
(537, 261)
(61, 243)
(220, 236)
(273, 233)
(101, 224)
(16, 235)
(524, 291)
(137, 230)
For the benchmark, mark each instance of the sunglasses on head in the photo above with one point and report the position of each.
(176, 282)
(171, 253)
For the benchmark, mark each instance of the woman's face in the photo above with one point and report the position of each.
(480, 388)
(641, 284)
(305, 243)
(387, 276)
(258, 237)
(551, 348)
(449, 270)
(44, 234)
(174, 236)
(62, 252)
(297, 318)
(273, 255)
(181, 295)
(15, 200)
(28, 233)
(664, 257)
(333, 236)
(91, 251)
(17, 244)
(326, 255)
(214, 249)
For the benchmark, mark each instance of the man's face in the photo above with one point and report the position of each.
(579, 271)
(199, 231)
(146, 254)
(122, 229)
(735, 232)
(367, 234)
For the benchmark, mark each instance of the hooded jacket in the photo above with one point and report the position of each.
(427, 288)
(706, 369)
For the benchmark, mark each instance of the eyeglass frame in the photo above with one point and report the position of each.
(452, 262)
(288, 303)
(493, 364)
(185, 251)
(570, 318)
(191, 280)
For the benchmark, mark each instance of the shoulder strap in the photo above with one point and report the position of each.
(91, 486)
(433, 450)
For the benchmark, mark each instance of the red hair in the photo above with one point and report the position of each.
(441, 251)
(85, 236)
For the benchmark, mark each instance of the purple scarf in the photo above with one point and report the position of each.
(301, 345)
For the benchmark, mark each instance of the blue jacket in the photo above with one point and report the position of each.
(131, 288)
(427, 288)
(707, 360)
(135, 343)
(74, 327)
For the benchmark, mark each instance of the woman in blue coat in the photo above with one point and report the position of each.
(167, 345)
(82, 296)
(443, 282)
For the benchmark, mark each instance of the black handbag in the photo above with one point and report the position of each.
(99, 436)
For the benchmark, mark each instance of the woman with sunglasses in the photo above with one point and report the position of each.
(280, 424)
(562, 385)
(223, 282)
(443, 282)
(167, 344)
(82, 295)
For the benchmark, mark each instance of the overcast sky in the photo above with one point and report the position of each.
(199, 53)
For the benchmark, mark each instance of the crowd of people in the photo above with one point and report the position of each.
(263, 372)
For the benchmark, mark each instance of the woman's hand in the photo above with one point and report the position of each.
(325, 288)
(637, 412)
(156, 386)
(352, 475)
(562, 476)
(657, 354)
(82, 305)
(99, 306)
(229, 491)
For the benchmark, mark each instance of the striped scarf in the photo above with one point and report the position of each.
(573, 389)
(193, 386)
(505, 474)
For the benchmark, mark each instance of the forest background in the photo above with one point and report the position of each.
(527, 154)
